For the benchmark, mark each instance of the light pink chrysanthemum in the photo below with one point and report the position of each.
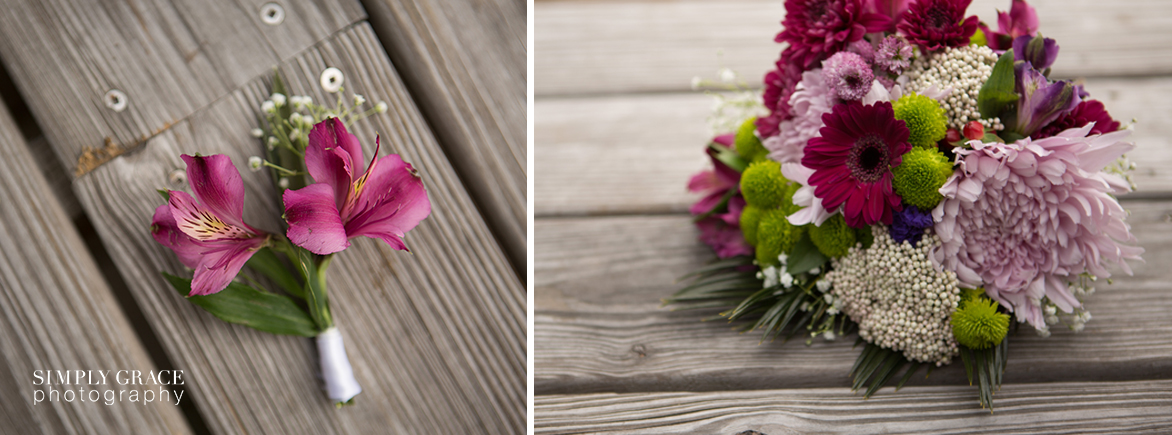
(1023, 218)
(847, 75)
(810, 101)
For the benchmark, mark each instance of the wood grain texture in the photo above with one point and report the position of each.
(652, 144)
(464, 62)
(169, 58)
(586, 47)
(1059, 408)
(436, 338)
(599, 327)
(57, 313)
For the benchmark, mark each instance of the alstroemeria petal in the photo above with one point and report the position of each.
(330, 157)
(314, 222)
(167, 233)
(218, 186)
(221, 263)
(202, 223)
(390, 202)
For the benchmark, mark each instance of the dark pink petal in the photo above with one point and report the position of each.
(333, 156)
(217, 184)
(707, 203)
(390, 201)
(202, 223)
(164, 230)
(220, 265)
(314, 221)
(727, 139)
(703, 182)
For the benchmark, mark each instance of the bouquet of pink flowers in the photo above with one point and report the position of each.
(330, 196)
(916, 176)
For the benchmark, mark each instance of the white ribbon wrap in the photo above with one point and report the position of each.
(335, 366)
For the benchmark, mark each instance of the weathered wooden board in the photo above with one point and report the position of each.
(464, 63)
(57, 313)
(168, 58)
(1058, 408)
(599, 326)
(635, 153)
(436, 338)
(614, 47)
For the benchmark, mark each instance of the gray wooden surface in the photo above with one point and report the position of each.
(617, 133)
(464, 61)
(56, 312)
(436, 337)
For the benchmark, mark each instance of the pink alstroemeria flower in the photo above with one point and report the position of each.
(208, 234)
(384, 202)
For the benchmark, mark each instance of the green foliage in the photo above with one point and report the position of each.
(250, 307)
(775, 235)
(978, 325)
(979, 39)
(919, 177)
(747, 144)
(763, 185)
(728, 156)
(986, 366)
(876, 366)
(925, 119)
(833, 238)
(805, 256)
(997, 95)
(750, 218)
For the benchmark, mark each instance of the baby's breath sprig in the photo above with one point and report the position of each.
(734, 100)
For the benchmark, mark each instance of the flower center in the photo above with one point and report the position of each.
(868, 159)
(939, 17)
(815, 10)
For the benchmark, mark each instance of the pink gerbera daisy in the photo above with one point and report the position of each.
(852, 161)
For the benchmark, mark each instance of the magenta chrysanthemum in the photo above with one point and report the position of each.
(1021, 219)
(1084, 113)
(852, 161)
(893, 55)
(816, 29)
(937, 24)
(810, 101)
(779, 86)
(847, 75)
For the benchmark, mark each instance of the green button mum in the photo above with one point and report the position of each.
(919, 178)
(750, 218)
(747, 144)
(775, 235)
(763, 185)
(924, 117)
(834, 238)
(977, 324)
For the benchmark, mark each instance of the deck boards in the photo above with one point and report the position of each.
(591, 47)
(436, 338)
(464, 62)
(1058, 408)
(58, 313)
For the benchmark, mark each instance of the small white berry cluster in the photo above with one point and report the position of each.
(900, 300)
(965, 70)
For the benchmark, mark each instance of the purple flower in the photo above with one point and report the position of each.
(910, 223)
(816, 29)
(1038, 51)
(724, 238)
(894, 54)
(1021, 20)
(848, 76)
(714, 184)
(1023, 218)
(1084, 113)
(209, 234)
(383, 202)
(721, 231)
(938, 24)
(1041, 101)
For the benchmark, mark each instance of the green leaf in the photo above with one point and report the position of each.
(250, 307)
(997, 94)
(266, 262)
(279, 88)
(313, 268)
(805, 256)
(728, 157)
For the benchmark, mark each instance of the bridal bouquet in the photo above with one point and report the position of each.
(330, 196)
(916, 176)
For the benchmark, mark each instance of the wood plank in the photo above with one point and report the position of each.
(599, 327)
(655, 46)
(57, 313)
(169, 58)
(1059, 408)
(436, 338)
(464, 62)
(651, 144)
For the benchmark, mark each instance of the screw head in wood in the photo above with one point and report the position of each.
(116, 100)
(272, 14)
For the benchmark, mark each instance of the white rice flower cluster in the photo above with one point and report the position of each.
(900, 300)
(965, 70)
